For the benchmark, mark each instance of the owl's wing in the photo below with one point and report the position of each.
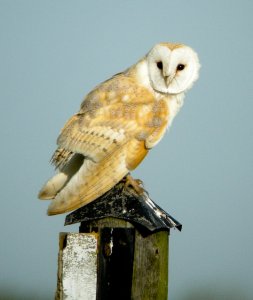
(108, 117)
(104, 139)
(94, 139)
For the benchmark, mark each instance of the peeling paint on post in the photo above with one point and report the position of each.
(77, 270)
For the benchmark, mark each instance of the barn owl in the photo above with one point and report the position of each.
(118, 123)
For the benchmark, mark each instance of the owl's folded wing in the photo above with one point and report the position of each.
(97, 148)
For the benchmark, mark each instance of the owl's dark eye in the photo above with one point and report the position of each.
(159, 65)
(180, 67)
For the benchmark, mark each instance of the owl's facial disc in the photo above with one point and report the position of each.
(172, 70)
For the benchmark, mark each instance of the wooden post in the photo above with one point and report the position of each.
(112, 258)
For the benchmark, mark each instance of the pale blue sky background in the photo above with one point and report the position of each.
(51, 54)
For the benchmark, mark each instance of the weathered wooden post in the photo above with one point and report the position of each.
(120, 252)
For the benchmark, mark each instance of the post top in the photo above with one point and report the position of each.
(123, 203)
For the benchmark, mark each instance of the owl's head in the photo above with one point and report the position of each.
(172, 68)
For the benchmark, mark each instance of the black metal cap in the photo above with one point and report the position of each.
(124, 203)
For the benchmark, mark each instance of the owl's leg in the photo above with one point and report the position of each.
(136, 184)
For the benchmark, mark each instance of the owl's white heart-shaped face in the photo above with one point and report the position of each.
(172, 68)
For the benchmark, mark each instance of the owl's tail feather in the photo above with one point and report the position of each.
(88, 183)
(57, 182)
(53, 186)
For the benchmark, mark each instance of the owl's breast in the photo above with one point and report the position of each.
(174, 102)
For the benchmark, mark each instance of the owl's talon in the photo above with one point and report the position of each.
(139, 182)
(135, 184)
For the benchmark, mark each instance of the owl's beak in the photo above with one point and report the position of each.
(168, 79)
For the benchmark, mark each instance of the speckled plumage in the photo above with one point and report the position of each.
(118, 122)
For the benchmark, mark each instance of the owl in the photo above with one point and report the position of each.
(118, 123)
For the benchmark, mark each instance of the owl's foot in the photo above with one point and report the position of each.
(135, 184)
